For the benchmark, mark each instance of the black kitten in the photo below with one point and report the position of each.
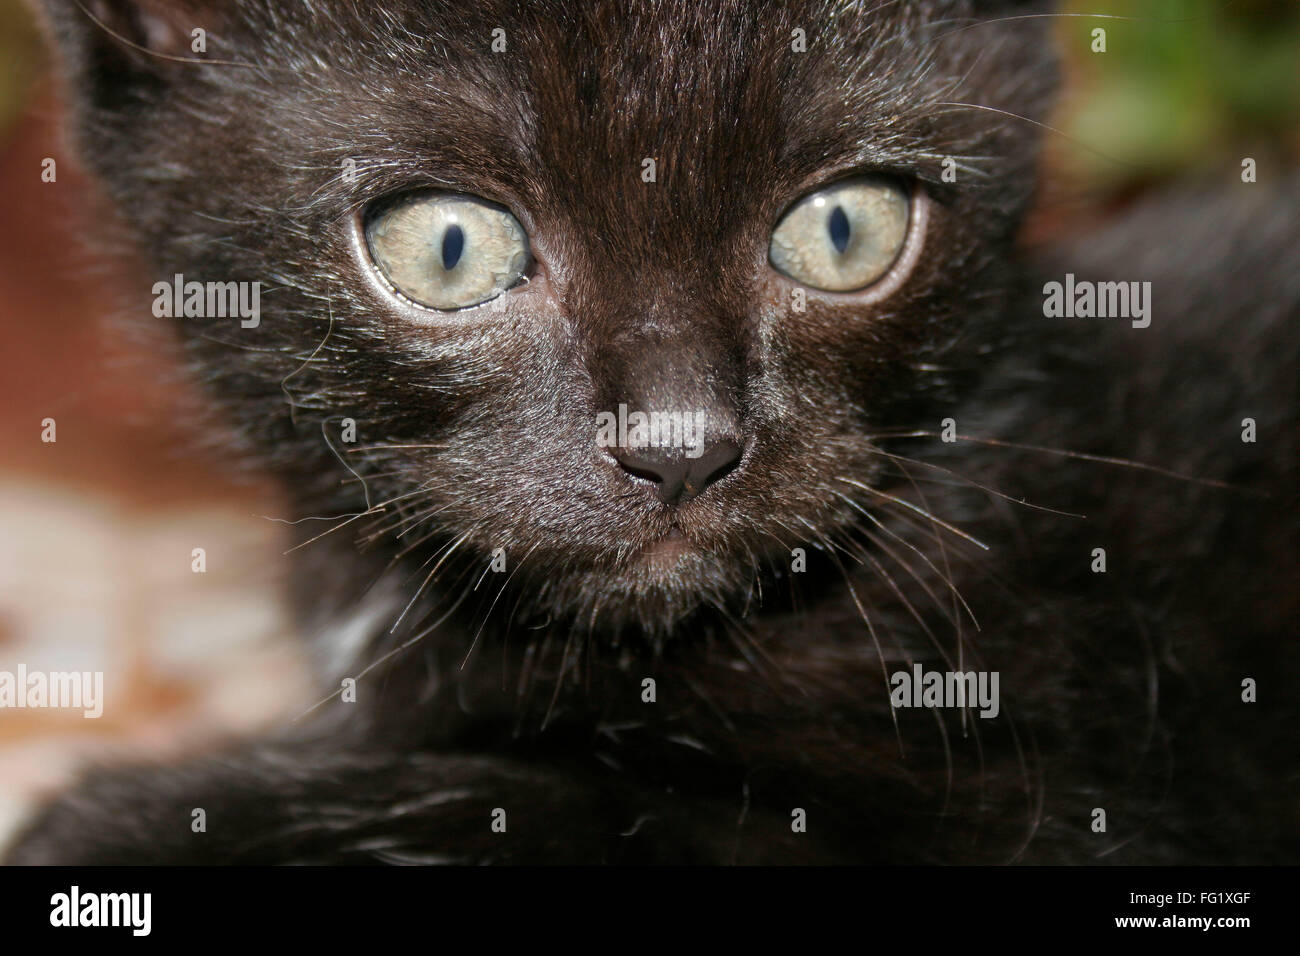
(488, 235)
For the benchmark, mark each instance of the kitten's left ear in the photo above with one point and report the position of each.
(105, 46)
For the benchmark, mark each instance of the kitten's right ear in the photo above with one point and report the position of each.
(106, 46)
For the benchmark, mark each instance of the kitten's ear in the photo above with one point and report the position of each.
(108, 44)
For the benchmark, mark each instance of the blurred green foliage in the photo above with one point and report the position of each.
(1183, 84)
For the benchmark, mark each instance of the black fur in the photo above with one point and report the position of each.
(1119, 690)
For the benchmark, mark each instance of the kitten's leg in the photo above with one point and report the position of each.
(270, 802)
(277, 803)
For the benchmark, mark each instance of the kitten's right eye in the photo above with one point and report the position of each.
(844, 237)
(445, 250)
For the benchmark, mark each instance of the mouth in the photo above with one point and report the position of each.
(667, 551)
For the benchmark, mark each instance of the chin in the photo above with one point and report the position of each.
(647, 593)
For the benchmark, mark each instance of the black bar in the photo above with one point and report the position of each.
(478, 907)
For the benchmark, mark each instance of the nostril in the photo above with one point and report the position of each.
(719, 460)
(668, 473)
(679, 479)
(637, 467)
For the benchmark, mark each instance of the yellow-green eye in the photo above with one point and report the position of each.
(447, 251)
(844, 237)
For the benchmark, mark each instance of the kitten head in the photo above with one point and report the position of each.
(766, 227)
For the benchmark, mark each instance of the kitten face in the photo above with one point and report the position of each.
(478, 427)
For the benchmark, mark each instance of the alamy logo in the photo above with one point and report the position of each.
(74, 908)
(57, 689)
(921, 688)
(1102, 300)
(657, 430)
(208, 300)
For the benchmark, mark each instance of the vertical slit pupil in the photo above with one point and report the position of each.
(453, 244)
(838, 224)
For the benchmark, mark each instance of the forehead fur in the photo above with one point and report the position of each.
(729, 97)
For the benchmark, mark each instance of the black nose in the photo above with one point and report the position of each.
(679, 478)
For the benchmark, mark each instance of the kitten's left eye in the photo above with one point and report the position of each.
(447, 251)
(844, 237)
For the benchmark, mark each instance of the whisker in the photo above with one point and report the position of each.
(377, 509)
(518, 564)
(921, 511)
(1075, 141)
(1069, 16)
(367, 448)
(976, 484)
(447, 554)
(903, 541)
(154, 53)
(1083, 456)
(866, 619)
